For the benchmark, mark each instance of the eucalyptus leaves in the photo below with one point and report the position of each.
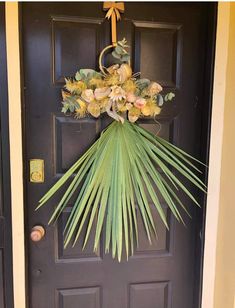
(120, 52)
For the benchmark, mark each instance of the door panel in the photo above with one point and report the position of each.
(84, 297)
(64, 30)
(167, 43)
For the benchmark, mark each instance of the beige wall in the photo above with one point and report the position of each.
(212, 211)
(225, 261)
(15, 132)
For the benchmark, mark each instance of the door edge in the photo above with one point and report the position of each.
(5, 182)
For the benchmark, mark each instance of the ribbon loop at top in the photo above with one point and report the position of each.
(114, 9)
(116, 5)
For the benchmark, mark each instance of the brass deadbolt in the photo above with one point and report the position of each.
(36, 170)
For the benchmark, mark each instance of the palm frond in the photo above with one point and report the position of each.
(120, 176)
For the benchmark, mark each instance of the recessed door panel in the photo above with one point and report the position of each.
(82, 297)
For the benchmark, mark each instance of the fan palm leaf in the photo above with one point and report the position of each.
(125, 170)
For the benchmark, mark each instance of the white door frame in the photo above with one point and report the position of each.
(15, 129)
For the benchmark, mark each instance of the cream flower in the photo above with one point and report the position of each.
(140, 102)
(146, 110)
(112, 69)
(94, 109)
(88, 96)
(129, 106)
(154, 88)
(124, 72)
(104, 102)
(133, 114)
(151, 108)
(101, 93)
(157, 110)
(117, 94)
(121, 107)
(131, 98)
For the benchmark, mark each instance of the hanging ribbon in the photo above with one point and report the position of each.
(113, 114)
(114, 10)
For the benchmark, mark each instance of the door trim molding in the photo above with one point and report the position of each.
(15, 122)
(215, 154)
(16, 157)
(5, 187)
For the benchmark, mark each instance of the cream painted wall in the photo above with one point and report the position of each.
(225, 262)
(15, 133)
(215, 158)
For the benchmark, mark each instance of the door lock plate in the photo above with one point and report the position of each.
(36, 167)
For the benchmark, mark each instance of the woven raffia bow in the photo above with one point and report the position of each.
(114, 10)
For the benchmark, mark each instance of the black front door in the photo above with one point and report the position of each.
(169, 44)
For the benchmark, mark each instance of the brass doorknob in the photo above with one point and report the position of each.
(37, 233)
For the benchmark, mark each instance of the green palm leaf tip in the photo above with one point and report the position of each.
(120, 177)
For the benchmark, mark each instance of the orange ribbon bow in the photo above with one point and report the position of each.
(114, 10)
